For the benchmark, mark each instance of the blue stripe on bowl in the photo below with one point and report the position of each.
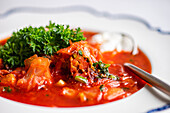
(160, 108)
(81, 8)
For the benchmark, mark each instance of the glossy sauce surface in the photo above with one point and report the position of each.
(77, 94)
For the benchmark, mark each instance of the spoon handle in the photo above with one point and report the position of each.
(152, 80)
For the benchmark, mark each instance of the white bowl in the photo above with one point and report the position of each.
(156, 45)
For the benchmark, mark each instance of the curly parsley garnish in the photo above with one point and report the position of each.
(38, 40)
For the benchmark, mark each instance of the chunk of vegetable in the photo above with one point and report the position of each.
(60, 83)
(82, 97)
(38, 74)
(68, 92)
(28, 61)
(80, 57)
(81, 79)
(113, 93)
(9, 80)
(93, 94)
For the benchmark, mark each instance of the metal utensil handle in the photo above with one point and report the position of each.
(159, 84)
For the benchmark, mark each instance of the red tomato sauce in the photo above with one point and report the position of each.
(2, 42)
(72, 93)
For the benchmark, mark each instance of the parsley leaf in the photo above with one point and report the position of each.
(80, 52)
(7, 89)
(47, 95)
(29, 41)
(102, 68)
(103, 71)
(101, 88)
